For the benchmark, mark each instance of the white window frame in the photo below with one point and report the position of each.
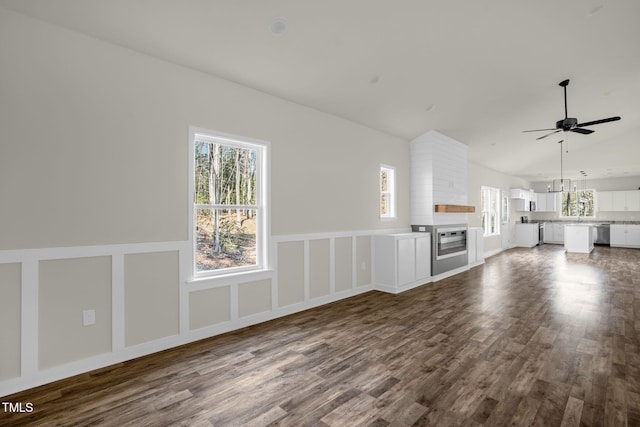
(262, 206)
(491, 194)
(575, 201)
(390, 193)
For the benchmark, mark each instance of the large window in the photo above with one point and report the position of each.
(490, 204)
(387, 192)
(578, 203)
(228, 205)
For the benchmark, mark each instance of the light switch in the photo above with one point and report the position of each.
(88, 317)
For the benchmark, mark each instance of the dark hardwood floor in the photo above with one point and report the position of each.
(533, 337)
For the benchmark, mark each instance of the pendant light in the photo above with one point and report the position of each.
(560, 185)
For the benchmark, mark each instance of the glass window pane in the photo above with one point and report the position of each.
(225, 174)
(383, 180)
(384, 204)
(225, 238)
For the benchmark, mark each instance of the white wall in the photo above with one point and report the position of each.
(94, 164)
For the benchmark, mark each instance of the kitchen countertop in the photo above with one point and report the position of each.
(592, 222)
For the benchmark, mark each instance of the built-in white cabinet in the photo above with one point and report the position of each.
(548, 233)
(520, 199)
(475, 246)
(545, 202)
(618, 201)
(402, 261)
(554, 232)
(527, 235)
(625, 235)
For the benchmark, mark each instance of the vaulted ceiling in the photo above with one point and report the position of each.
(480, 71)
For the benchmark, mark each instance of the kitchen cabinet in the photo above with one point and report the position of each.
(520, 199)
(625, 235)
(619, 201)
(475, 246)
(554, 232)
(578, 238)
(545, 202)
(527, 235)
(548, 232)
(402, 261)
(605, 200)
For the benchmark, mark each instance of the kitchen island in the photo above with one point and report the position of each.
(578, 238)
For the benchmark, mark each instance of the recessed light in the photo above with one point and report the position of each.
(278, 26)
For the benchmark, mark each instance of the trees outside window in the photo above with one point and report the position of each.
(228, 204)
(578, 203)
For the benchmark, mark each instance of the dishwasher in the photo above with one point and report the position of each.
(603, 234)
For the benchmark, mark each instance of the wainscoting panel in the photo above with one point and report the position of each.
(67, 287)
(209, 307)
(10, 314)
(145, 300)
(152, 282)
(319, 268)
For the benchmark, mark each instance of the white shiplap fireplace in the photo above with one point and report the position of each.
(438, 176)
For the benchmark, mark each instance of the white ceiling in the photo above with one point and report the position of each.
(480, 71)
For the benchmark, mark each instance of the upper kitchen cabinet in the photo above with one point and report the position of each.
(605, 200)
(618, 201)
(546, 202)
(521, 199)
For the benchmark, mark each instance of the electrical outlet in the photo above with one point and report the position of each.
(88, 317)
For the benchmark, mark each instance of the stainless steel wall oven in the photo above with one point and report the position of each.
(448, 246)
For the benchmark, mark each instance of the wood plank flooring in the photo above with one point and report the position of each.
(533, 337)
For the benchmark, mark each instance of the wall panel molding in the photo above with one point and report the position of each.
(32, 376)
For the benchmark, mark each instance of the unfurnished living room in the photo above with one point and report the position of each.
(298, 213)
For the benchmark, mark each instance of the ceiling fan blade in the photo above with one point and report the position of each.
(597, 122)
(582, 131)
(537, 130)
(544, 136)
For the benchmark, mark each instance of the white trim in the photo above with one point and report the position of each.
(449, 273)
(402, 288)
(354, 262)
(306, 266)
(29, 318)
(391, 192)
(117, 303)
(66, 252)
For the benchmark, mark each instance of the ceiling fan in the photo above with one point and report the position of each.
(571, 123)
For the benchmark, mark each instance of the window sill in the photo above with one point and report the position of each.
(388, 218)
(236, 277)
